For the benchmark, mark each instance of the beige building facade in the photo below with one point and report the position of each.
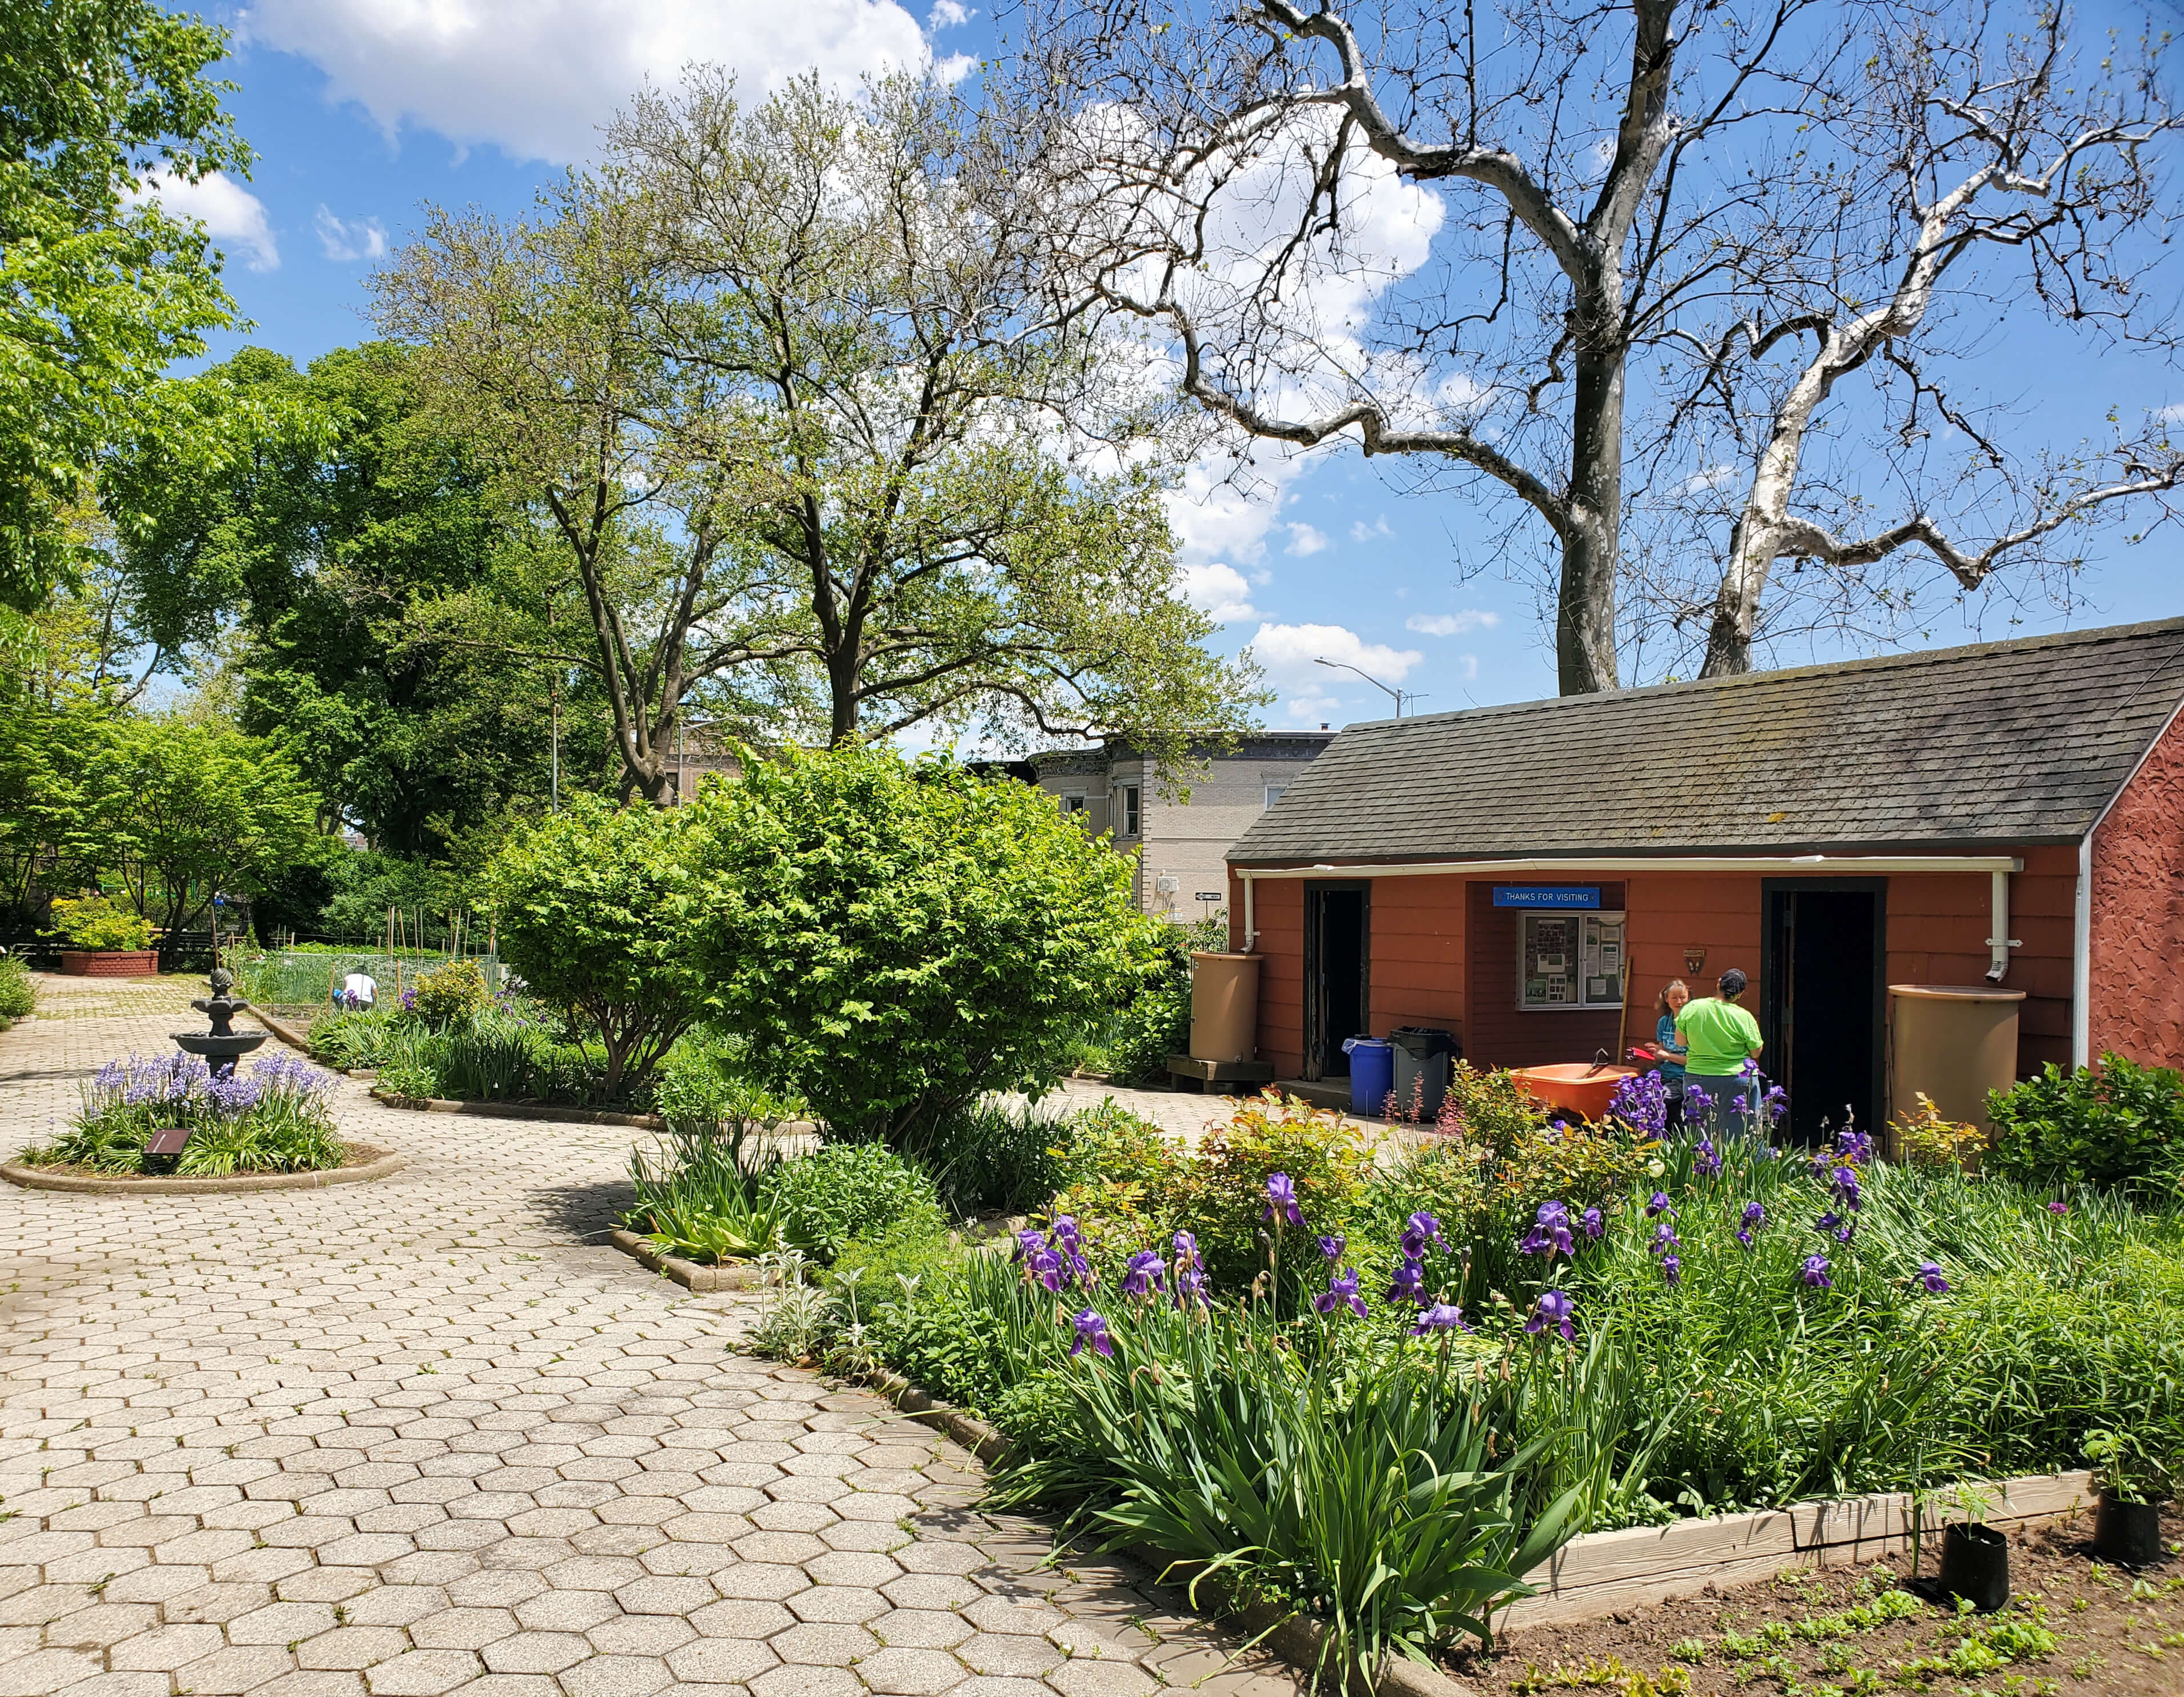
(1181, 842)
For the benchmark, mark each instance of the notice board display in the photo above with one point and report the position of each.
(1573, 960)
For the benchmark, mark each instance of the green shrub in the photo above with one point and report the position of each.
(1224, 1191)
(705, 1080)
(451, 995)
(699, 1197)
(994, 1157)
(500, 1057)
(899, 939)
(95, 923)
(353, 1042)
(2107, 1125)
(843, 1191)
(1155, 1023)
(594, 904)
(19, 990)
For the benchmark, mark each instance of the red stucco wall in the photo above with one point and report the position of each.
(2137, 1001)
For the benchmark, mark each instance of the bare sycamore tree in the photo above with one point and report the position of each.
(1636, 213)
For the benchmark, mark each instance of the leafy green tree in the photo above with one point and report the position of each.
(179, 810)
(101, 290)
(594, 907)
(897, 938)
(781, 382)
(341, 541)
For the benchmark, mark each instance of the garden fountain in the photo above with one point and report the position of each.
(221, 1045)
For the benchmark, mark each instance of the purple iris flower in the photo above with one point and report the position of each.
(1186, 1251)
(1754, 1214)
(1091, 1329)
(1029, 1243)
(1930, 1274)
(1744, 1237)
(1332, 1245)
(1698, 1102)
(1847, 1187)
(1658, 1205)
(1410, 1283)
(1641, 1103)
(1418, 1231)
(1281, 1200)
(1144, 1276)
(1550, 1235)
(1774, 1104)
(1065, 1233)
(1440, 1317)
(1827, 1222)
(1706, 1161)
(1672, 1267)
(2058, 1208)
(1854, 1145)
(1814, 1272)
(1664, 1239)
(1591, 1223)
(1553, 1308)
(1190, 1288)
(1341, 1292)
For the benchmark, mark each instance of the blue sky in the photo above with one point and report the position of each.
(364, 110)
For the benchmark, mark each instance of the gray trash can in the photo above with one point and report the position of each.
(1423, 1055)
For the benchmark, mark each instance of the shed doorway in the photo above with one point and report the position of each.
(1823, 1000)
(1337, 922)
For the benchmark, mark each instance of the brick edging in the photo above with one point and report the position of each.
(520, 1110)
(36, 1178)
(738, 1276)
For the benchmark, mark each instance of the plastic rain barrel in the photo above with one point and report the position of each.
(1224, 1006)
(1955, 1042)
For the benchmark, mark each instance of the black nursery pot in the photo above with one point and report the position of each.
(1975, 1565)
(2128, 1534)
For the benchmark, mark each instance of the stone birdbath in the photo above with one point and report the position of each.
(222, 1044)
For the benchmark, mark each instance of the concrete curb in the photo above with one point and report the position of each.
(36, 1178)
(739, 1275)
(281, 1029)
(521, 1110)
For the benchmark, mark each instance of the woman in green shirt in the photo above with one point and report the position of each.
(1720, 1039)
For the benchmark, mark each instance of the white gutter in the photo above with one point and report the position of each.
(1849, 865)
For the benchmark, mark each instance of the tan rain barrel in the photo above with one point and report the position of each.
(1956, 1042)
(1224, 1006)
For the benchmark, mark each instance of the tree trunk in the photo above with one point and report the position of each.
(1585, 607)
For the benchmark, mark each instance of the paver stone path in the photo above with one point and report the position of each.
(431, 1435)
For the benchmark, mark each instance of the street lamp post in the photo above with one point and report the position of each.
(1400, 696)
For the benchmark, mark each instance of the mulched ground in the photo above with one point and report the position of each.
(2075, 1627)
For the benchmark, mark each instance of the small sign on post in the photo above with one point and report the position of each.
(168, 1140)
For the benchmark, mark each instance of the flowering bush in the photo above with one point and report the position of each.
(271, 1118)
(449, 995)
(95, 923)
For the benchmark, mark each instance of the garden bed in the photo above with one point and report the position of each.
(364, 1164)
(1816, 1630)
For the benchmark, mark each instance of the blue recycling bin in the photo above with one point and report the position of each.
(1372, 1072)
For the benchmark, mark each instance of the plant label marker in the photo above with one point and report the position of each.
(168, 1140)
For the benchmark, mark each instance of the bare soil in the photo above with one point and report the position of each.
(2074, 1627)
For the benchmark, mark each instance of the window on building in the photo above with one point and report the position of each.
(1130, 820)
(1569, 960)
(1274, 793)
(1072, 801)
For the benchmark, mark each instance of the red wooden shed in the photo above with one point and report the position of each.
(2011, 813)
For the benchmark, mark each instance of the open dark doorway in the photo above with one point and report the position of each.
(1336, 923)
(1823, 1000)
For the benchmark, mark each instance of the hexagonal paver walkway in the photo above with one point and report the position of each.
(429, 1435)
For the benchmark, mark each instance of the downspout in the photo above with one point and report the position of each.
(1250, 911)
(2081, 960)
(2001, 943)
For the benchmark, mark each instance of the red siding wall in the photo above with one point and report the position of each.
(2138, 914)
(1503, 1035)
(1443, 955)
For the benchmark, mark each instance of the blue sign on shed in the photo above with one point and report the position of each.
(1546, 896)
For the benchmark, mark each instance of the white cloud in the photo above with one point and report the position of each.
(538, 77)
(1712, 477)
(1219, 589)
(1291, 654)
(948, 14)
(349, 239)
(1304, 540)
(2170, 414)
(1362, 532)
(1452, 624)
(229, 213)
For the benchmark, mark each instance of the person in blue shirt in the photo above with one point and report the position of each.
(1669, 1050)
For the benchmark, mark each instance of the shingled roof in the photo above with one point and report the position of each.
(2005, 744)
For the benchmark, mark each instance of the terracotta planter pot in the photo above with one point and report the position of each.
(110, 963)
